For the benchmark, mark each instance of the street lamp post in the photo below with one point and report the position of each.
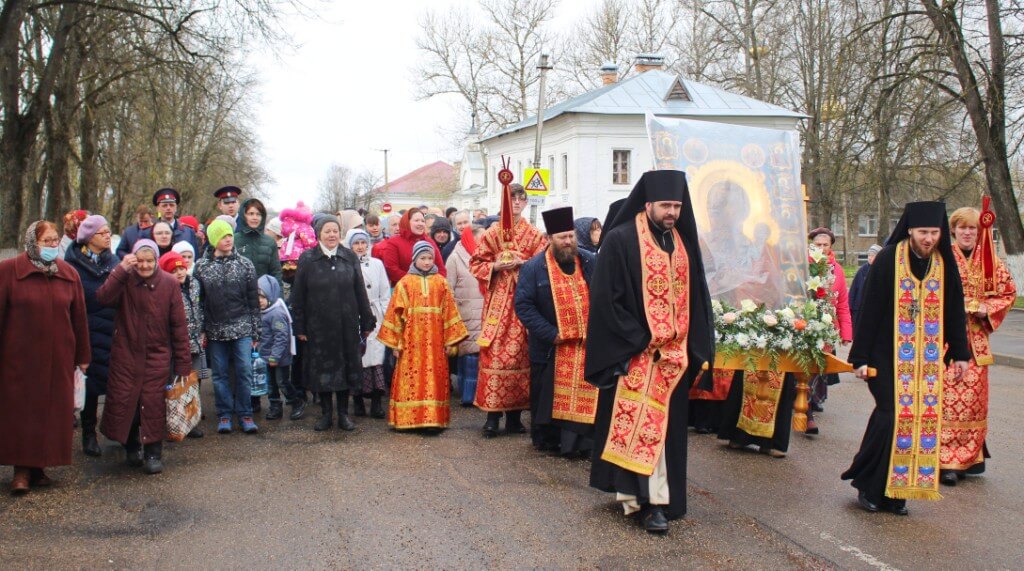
(543, 64)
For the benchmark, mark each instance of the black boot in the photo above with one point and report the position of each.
(257, 404)
(358, 405)
(276, 411)
(298, 409)
(134, 452)
(948, 478)
(153, 464)
(513, 422)
(344, 422)
(376, 405)
(326, 413)
(491, 426)
(90, 445)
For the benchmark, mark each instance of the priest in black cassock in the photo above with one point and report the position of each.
(650, 336)
(917, 328)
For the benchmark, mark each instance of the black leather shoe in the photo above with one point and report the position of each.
(358, 406)
(153, 466)
(298, 409)
(345, 423)
(948, 478)
(491, 427)
(196, 433)
(276, 411)
(865, 503)
(653, 519)
(898, 507)
(90, 446)
(514, 423)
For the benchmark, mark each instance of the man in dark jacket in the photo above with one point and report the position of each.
(552, 300)
(166, 202)
(91, 257)
(231, 308)
(857, 286)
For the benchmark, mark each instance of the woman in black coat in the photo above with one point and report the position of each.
(92, 258)
(331, 314)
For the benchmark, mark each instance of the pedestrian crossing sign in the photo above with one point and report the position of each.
(538, 181)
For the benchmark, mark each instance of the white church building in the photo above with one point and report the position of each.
(596, 144)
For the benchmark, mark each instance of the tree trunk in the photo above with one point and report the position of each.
(89, 176)
(988, 119)
(20, 129)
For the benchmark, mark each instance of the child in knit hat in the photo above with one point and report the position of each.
(422, 326)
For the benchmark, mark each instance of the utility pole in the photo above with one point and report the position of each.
(385, 151)
(543, 64)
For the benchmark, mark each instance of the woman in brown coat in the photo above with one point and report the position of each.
(150, 343)
(44, 333)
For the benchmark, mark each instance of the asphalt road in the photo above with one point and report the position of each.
(293, 498)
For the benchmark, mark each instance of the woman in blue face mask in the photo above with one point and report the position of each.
(44, 334)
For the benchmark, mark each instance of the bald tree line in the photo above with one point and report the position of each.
(105, 101)
(906, 99)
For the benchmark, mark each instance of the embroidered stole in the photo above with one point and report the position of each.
(575, 399)
(914, 461)
(972, 273)
(639, 425)
(762, 391)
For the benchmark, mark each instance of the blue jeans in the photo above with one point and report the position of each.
(221, 353)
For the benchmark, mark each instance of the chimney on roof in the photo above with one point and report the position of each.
(647, 62)
(609, 73)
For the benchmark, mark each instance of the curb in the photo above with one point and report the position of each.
(1009, 360)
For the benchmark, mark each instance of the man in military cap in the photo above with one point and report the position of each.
(227, 200)
(166, 202)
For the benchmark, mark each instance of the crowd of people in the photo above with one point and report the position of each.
(604, 332)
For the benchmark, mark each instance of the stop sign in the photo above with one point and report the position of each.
(385, 208)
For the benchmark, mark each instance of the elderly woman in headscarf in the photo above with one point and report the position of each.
(92, 258)
(378, 290)
(588, 233)
(44, 334)
(331, 313)
(150, 346)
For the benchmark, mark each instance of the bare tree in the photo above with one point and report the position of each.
(979, 64)
(335, 192)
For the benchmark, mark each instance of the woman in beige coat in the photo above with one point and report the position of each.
(470, 301)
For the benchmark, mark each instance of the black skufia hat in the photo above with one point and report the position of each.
(558, 220)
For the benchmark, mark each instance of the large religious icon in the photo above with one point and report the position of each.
(744, 184)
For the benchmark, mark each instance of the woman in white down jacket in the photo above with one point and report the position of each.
(378, 289)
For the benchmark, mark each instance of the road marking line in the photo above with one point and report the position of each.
(858, 553)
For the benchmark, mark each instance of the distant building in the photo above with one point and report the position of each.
(596, 144)
(431, 184)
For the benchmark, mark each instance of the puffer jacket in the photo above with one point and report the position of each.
(468, 297)
(101, 317)
(276, 339)
(231, 300)
(191, 295)
(253, 244)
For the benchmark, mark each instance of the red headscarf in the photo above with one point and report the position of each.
(405, 227)
(72, 220)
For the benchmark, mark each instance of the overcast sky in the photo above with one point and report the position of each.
(347, 89)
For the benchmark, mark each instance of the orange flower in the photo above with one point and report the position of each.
(799, 324)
